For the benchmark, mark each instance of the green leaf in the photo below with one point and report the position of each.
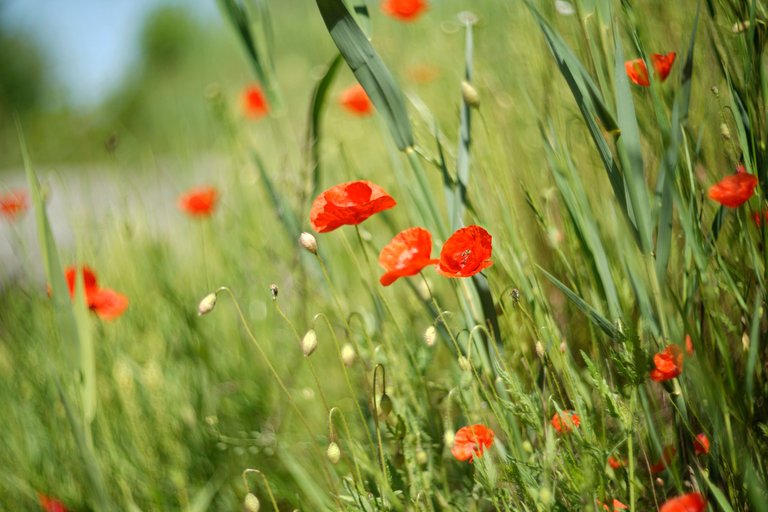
(314, 130)
(594, 316)
(369, 69)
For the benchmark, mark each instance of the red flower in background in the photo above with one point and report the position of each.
(667, 454)
(106, 303)
(407, 253)
(348, 204)
(669, 364)
(404, 10)
(565, 421)
(470, 441)
(689, 344)
(356, 101)
(615, 463)
(51, 504)
(734, 190)
(701, 444)
(637, 71)
(617, 506)
(13, 203)
(693, 502)
(254, 102)
(466, 252)
(199, 201)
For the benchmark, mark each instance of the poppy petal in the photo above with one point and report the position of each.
(199, 201)
(466, 252)
(348, 204)
(693, 502)
(471, 441)
(108, 304)
(734, 190)
(404, 10)
(355, 100)
(406, 254)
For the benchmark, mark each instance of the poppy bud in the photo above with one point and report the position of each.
(207, 304)
(527, 447)
(545, 496)
(273, 290)
(308, 242)
(563, 347)
(309, 343)
(333, 453)
(421, 457)
(449, 437)
(430, 336)
(725, 132)
(385, 406)
(740, 26)
(470, 95)
(540, 349)
(348, 354)
(251, 503)
(464, 364)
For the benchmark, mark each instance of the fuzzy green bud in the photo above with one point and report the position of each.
(251, 503)
(309, 343)
(333, 453)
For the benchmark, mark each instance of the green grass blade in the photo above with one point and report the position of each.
(314, 130)
(630, 152)
(595, 317)
(754, 345)
(283, 210)
(458, 200)
(369, 69)
(359, 10)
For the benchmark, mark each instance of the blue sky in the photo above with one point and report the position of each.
(89, 43)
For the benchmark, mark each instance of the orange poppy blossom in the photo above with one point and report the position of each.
(565, 421)
(254, 103)
(692, 502)
(404, 10)
(689, 344)
(734, 190)
(50, 504)
(616, 463)
(669, 364)
(356, 101)
(637, 71)
(13, 203)
(466, 252)
(348, 204)
(470, 441)
(199, 201)
(667, 454)
(701, 444)
(617, 506)
(106, 303)
(406, 255)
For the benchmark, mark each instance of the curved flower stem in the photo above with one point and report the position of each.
(266, 484)
(332, 437)
(440, 315)
(309, 361)
(276, 376)
(364, 423)
(376, 415)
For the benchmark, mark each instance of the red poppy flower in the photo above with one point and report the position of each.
(734, 190)
(617, 506)
(759, 216)
(13, 203)
(106, 303)
(51, 504)
(669, 364)
(356, 100)
(616, 463)
(637, 71)
(404, 10)
(466, 252)
(406, 254)
(693, 502)
(667, 454)
(254, 102)
(470, 441)
(199, 201)
(701, 444)
(565, 421)
(349, 204)
(688, 344)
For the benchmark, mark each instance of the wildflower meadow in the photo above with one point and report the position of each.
(421, 255)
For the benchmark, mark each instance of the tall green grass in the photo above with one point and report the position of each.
(606, 250)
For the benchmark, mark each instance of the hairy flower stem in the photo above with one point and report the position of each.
(376, 417)
(279, 380)
(332, 437)
(309, 360)
(266, 484)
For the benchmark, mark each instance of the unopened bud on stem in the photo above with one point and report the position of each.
(207, 304)
(251, 503)
(334, 453)
(470, 95)
(308, 242)
(309, 343)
